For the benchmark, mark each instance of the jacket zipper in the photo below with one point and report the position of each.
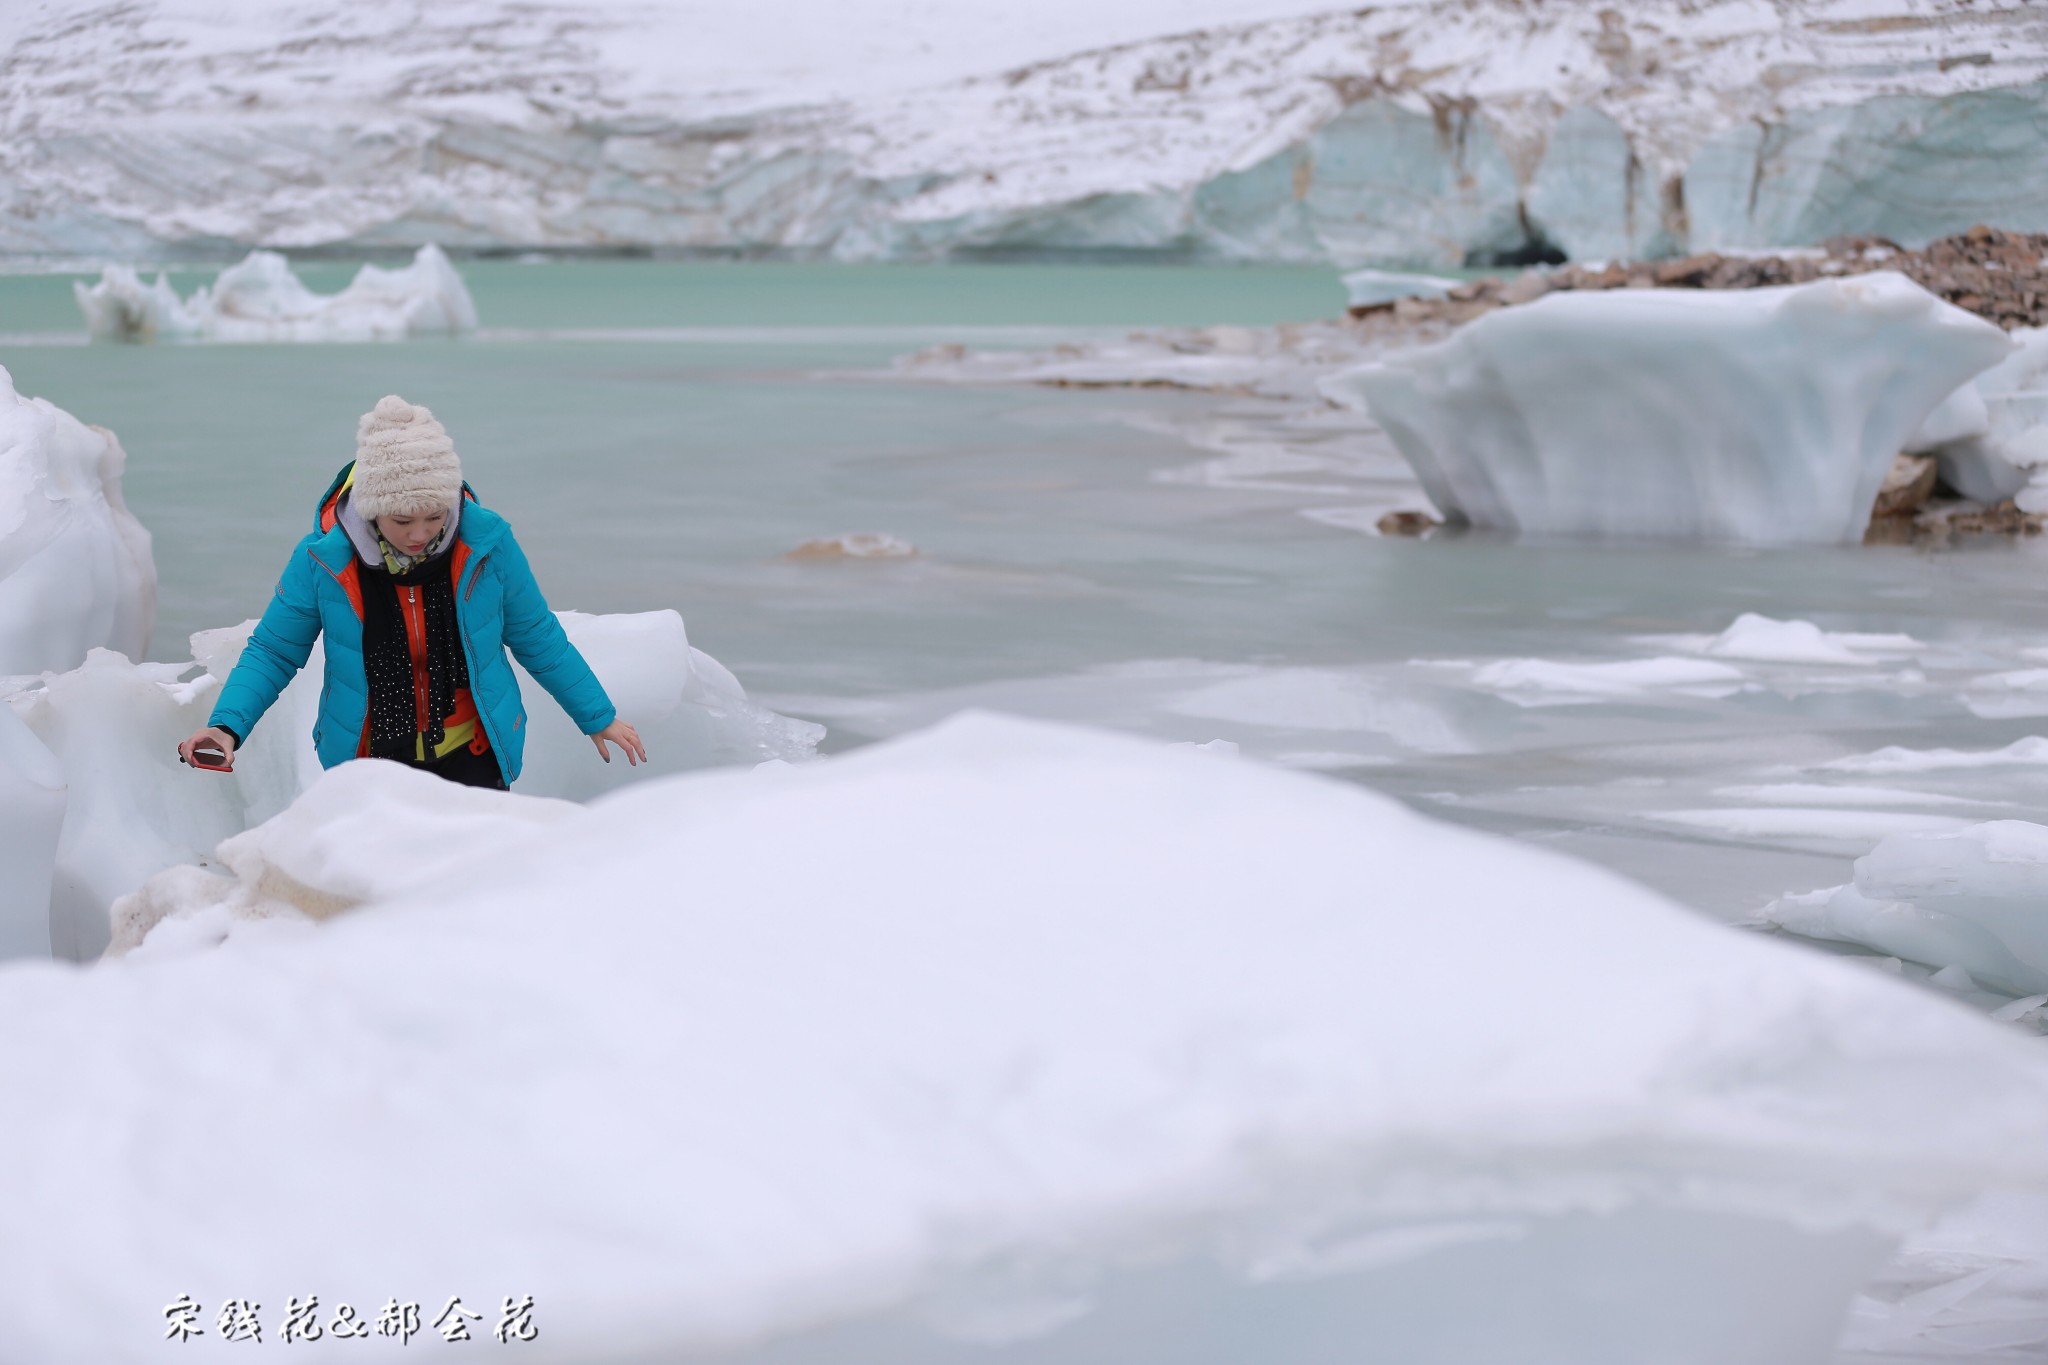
(469, 655)
(417, 619)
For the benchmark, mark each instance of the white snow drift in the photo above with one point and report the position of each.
(1974, 899)
(1763, 416)
(260, 299)
(135, 810)
(75, 565)
(1003, 1034)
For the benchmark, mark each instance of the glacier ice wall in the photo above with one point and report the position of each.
(1004, 1040)
(1494, 129)
(76, 571)
(1906, 167)
(1762, 417)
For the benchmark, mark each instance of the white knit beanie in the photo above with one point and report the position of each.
(405, 463)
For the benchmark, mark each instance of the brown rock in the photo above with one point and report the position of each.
(1407, 523)
(1906, 486)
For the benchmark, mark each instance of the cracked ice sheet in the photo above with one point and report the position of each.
(1973, 1288)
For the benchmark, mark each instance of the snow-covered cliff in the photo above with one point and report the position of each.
(1421, 132)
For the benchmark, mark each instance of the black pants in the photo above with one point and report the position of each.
(471, 770)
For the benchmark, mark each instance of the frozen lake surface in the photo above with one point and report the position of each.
(1187, 565)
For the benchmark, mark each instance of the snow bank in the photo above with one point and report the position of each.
(134, 809)
(260, 299)
(1975, 898)
(1762, 416)
(75, 564)
(1001, 1035)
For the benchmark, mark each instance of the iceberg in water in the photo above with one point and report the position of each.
(260, 299)
(1001, 1041)
(1761, 416)
(1974, 898)
(76, 571)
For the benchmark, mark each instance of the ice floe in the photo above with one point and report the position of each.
(1003, 1034)
(75, 565)
(1763, 416)
(1767, 640)
(260, 299)
(1974, 898)
(1554, 682)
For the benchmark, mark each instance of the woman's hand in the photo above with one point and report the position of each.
(212, 735)
(626, 737)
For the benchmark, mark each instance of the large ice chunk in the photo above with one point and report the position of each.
(114, 727)
(31, 816)
(1975, 898)
(362, 831)
(75, 565)
(260, 299)
(1763, 416)
(1002, 1035)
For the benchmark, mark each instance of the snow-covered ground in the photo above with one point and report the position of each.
(896, 128)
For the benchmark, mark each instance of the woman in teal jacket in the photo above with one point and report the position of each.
(419, 592)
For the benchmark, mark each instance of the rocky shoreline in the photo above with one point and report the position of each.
(1998, 275)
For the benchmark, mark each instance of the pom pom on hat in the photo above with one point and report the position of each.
(405, 463)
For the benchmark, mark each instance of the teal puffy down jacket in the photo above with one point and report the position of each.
(498, 607)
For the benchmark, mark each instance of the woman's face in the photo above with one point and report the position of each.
(412, 532)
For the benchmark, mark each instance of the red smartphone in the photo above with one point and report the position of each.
(209, 757)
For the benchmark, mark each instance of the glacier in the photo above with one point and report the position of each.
(802, 1064)
(260, 299)
(1760, 417)
(1396, 134)
(75, 566)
